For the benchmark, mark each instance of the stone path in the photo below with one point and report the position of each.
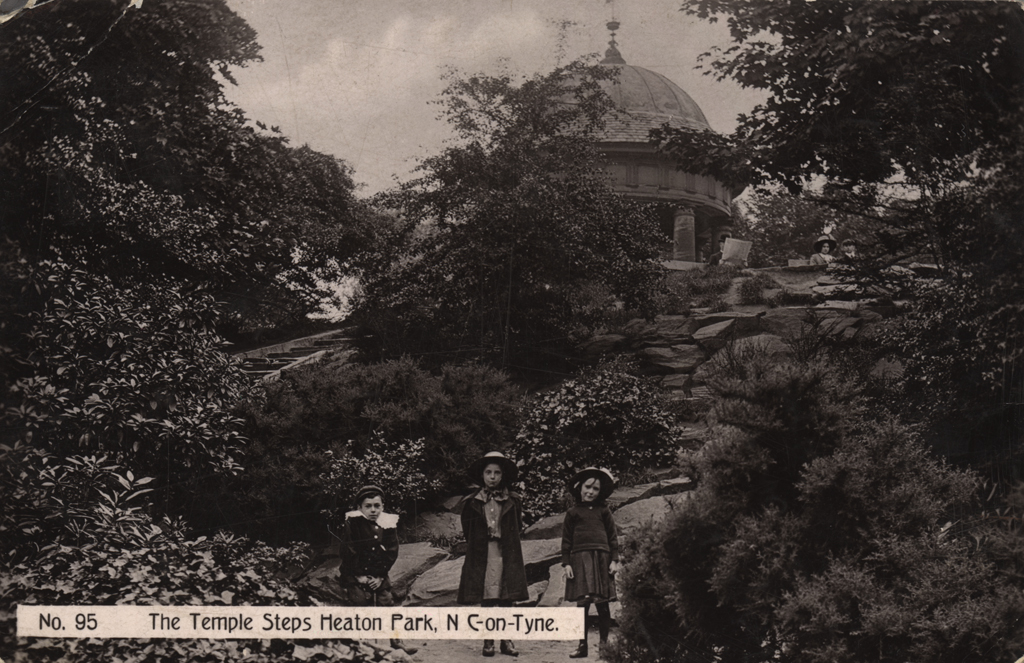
(468, 651)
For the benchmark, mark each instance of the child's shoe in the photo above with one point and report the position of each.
(489, 648)
(581, 650)
(509, 649)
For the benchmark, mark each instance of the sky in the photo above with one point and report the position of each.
(356, 78)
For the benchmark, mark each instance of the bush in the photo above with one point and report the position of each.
(132, 373)
(396, 466)
(78, 534)
(165, 569)
(607, 417)
(751, 290)
(815, 534)
(75, 501)
(319, 429)
(698, 288)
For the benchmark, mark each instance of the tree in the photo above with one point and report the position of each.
(864, 91)
(121, 150)
(514, 243)
(910, 115)
(783, 226)
(816, 533)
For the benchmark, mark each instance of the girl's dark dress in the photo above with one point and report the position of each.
(589, 544)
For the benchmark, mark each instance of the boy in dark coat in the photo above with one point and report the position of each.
(369, 548)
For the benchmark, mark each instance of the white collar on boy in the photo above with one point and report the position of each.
(384, 520)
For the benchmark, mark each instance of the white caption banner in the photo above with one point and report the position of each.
(265, 622)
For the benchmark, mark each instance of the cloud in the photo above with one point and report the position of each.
(356, 78)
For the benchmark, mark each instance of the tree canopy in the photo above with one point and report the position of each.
(513, 240)
(911, 116)
(120, 150)
(860, 92)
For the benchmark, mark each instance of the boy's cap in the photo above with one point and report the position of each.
(604, 476)
(509, 471)
(367, 491)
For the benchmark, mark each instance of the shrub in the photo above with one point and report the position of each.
(396, 466)
(606, 417)
(78, 534)
(815, 534)
(751, 290)
(324, 424)
(696, 288)
(167, 570)
(74, 501)
(132, 373)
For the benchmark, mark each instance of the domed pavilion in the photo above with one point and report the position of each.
(694, 209)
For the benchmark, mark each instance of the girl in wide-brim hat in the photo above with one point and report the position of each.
(509, 470)
(493, 573)
(825, 239)
(608, 482)
(590, 549)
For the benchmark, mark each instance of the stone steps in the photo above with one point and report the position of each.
(267, 363)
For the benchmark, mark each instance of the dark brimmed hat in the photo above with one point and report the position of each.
(825, 239)
(367, 491)
(509, 471)
(605, 476)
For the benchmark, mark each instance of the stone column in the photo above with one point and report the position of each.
(683, 240)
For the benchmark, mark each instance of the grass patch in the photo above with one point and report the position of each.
(697, 288)
(752, 290)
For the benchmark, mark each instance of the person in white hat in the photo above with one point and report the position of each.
(590, 549)
(824, 250)
(493, 573)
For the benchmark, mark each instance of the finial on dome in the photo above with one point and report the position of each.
(612, 55)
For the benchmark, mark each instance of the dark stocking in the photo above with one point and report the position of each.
(604, 619)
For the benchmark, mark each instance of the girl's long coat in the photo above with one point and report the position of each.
(474, 526)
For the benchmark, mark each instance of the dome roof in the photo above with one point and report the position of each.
(649, 101)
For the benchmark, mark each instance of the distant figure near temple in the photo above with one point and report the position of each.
(824, 250)
(694, 208)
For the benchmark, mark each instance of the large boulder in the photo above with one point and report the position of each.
(674, 359)
(437, 586)
(323, 581)
(545, 528)
(536, 591)
(664, 330)
(538, 555)
(682, 382)
(624, 496)
(435, 526)
(602, 344)
(787, 322)
(413, 560)
(648, 512)
(743, 322)
(716, 335)
(554, 594)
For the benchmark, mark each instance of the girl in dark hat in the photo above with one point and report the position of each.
(590, 549)
(369, 548)
(824, 250)
(493, 573)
